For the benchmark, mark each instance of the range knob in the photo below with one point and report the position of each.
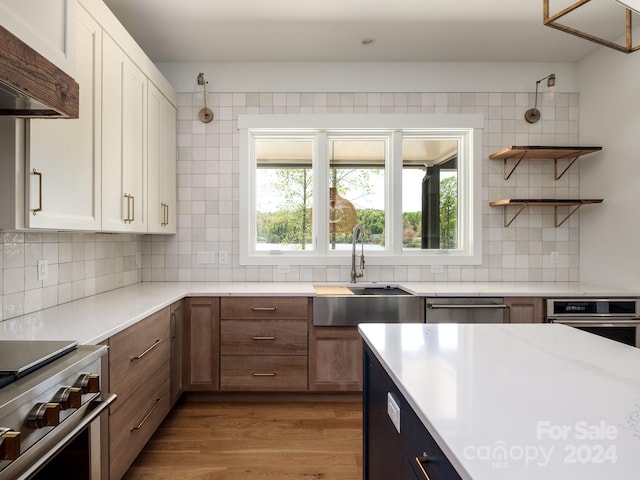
(88, 383)
(44, 415)
(68, 397)
(9, 444)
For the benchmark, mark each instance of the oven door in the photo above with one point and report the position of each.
(626, 331)
(71, 450)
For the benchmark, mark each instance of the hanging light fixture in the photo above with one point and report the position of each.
(205, 115)
(631, 6)
(533, 114)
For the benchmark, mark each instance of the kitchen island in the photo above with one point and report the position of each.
(499, 402)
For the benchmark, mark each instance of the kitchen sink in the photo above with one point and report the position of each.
(350, 305)
(386, 290)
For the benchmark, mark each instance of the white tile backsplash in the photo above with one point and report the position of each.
(79, 265)
(208, 192)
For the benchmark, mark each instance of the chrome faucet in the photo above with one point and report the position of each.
(354, 275)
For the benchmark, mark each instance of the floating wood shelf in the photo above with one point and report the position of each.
(522, 204)
(571, 154)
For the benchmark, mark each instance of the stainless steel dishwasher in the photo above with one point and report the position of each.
(466, 310)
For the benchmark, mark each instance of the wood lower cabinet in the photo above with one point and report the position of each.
(335, 359)
(202, 344)
(263, 343)
(139, 373)
(525, 309)
(176, 332)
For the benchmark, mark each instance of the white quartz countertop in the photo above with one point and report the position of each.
(94, 319)
(519, 401)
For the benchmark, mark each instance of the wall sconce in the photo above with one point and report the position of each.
(630, 6)
(533, 114)
(205, 115)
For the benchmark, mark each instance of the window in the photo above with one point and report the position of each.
(412, 182)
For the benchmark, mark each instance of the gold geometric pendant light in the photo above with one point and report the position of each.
(630, 7)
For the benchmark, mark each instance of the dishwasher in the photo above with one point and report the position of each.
(466, 310)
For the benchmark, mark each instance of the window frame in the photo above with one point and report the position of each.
(467, 127)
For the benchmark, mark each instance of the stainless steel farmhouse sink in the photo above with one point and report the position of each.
(347, 306)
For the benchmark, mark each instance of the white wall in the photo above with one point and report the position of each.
(610, 117)
(370, 77)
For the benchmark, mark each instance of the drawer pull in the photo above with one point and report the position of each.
(265, 337)
(421, 460)
(264, 309)
(146, 417)
(270, 374)
(147, 351)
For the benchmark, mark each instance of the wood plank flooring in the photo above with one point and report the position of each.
(258, 441)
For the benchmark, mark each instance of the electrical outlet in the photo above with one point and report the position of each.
(555, 258)
(43, 269)
(283, 268)
(393, 410)
(223, 257)
(437, 269)
(203, 258)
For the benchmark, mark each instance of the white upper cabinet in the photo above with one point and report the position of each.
(47, 26)
(124, 137)
(161, 163)
(63, 156)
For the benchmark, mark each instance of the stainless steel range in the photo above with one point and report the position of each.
(50, 403)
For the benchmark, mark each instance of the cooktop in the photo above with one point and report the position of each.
(20, 357)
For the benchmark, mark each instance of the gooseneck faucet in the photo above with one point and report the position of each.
(354, 274)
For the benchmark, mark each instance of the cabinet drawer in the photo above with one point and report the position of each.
(264, 307)
(135, 354)
(260, 373)
(132, 425)
(263, 337)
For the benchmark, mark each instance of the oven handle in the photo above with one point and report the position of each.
(445, 306)
(596, 323)
(42, 451)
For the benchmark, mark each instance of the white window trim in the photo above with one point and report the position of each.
(471, 187)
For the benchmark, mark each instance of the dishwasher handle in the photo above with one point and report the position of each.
(436, 306)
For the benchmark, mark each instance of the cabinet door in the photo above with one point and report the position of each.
(383, 456)
(177, 350)
(335, 359)
(161, 163)
(47, 26)
(525, 309)
(124, 136)
(202, 335)
(63, 157)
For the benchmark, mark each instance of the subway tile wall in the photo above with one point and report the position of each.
(79, 265)
(208, 187)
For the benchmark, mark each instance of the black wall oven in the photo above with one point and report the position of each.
(614, 318)
(51, 406)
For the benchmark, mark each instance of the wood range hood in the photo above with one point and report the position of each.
(30, 85)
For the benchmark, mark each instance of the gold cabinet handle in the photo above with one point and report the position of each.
(147, 351)
(267, 374)
(264, 309)
(127, 219)
(146, 417)
(264, 337)
(39, 175)
(165, 215)
(421, 460)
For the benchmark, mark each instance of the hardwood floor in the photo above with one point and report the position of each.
(258, 441)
